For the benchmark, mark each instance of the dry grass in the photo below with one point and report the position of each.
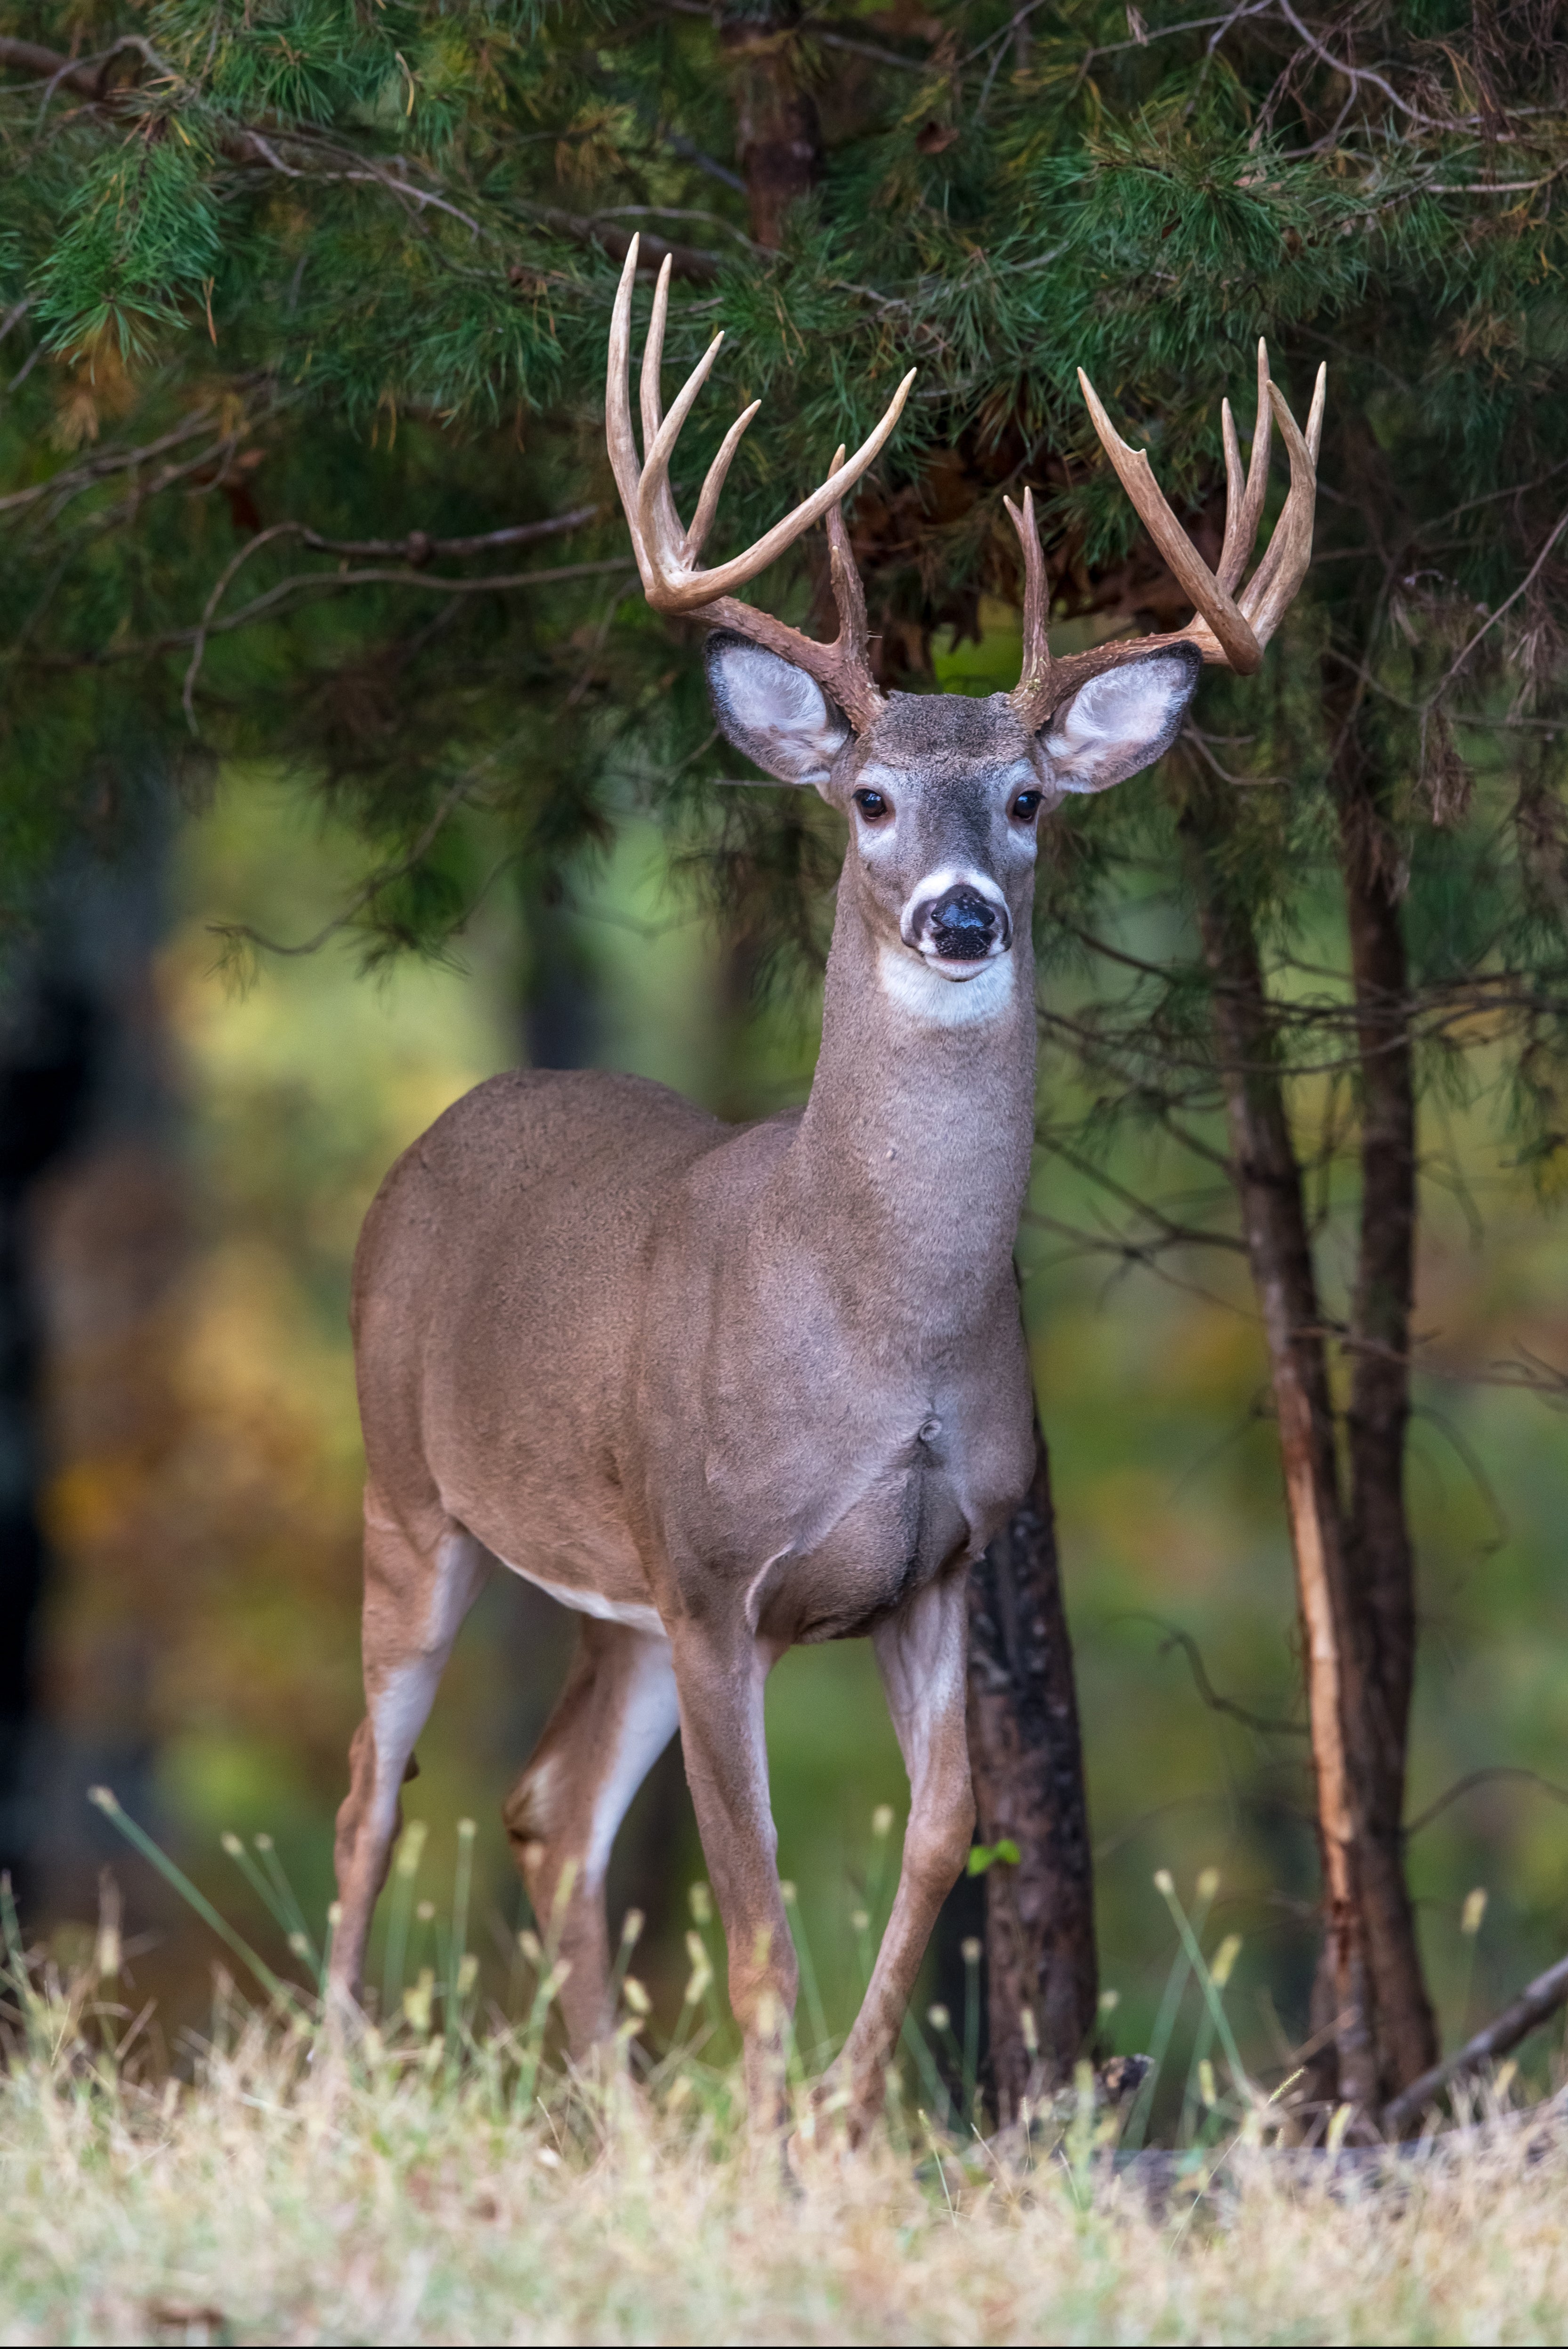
(437, 2192)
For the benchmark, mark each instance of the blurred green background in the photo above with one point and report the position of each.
(202, 1646)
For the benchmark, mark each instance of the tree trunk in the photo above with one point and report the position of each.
(1267, 1176)
(778, 138)
(1027, 1762)
(1379, 1549)
(45, 1037)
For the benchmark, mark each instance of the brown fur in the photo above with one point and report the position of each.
(768, 1384)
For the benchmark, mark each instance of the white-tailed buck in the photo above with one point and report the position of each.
(722, 1389)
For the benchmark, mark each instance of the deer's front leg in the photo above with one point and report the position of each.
(721, 1679)
(921, 1654)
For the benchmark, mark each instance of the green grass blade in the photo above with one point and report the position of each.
(103, 1798)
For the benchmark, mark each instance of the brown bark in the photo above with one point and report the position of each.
(1267, 1176)
(1380, 1553)
(1026, 1759)
(778, 136)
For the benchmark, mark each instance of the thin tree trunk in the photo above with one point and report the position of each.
(1026, 1756)
(778, 138)
(45, 1039)
(1267, 1176)
(1380, 1552)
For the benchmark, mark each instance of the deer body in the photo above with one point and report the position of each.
(723, 1391)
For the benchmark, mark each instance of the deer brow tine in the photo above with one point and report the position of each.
(1036, 669)
(853, 683)
(1186, 565)
(707, 585)
(712, 487)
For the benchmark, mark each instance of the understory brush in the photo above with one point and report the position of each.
(401, 2199)
(444, 2177)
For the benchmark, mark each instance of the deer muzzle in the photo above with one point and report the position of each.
(958, 921)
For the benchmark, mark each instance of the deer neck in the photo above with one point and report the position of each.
(913, 1157)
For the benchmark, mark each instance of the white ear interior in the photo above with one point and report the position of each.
(1122, 721)
(772, 711)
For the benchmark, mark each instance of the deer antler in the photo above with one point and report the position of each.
(667, 551)
(1226, 627)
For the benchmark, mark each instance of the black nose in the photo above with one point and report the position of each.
(962, 924)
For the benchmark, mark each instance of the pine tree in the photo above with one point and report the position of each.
(305, 304)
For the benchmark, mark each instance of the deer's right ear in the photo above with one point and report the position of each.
(772, 711)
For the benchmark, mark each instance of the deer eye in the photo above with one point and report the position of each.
(1026, 806)
(872, 806)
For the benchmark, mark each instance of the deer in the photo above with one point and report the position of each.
(726, 1389)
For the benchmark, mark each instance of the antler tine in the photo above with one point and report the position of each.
(849, 594)
(1273, 584)
(1314, 414)
(649, 398)
(699, 587)
(1237, 550)
(673, 582)
(1234, 553)
(655, 502)
(648, 386)
(1238, 647)
(620, 437)
(1221, 630)
(1035, 677)
(708, 504)
(666, 553)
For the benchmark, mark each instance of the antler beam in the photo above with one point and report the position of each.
(1226, 629)
(667, 551)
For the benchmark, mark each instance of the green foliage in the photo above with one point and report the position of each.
(983, 1857)
(359, 263)
(138, 247)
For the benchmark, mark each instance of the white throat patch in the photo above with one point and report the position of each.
(925, 995)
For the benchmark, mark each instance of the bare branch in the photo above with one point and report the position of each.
(1534, 2005)
(83, 76)
(1457, 664)
(1474, 1778)
(335, 583)
(418, 549)
(84, 476)
(822, 33)
(1355, 75)
(235, 934)
(416, 546)
(1175, 1637)
(686, 261)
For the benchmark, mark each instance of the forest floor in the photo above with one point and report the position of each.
(454, 2192)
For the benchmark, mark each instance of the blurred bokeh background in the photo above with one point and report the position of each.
(221, 1127)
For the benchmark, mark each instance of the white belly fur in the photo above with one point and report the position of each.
(635, 1618)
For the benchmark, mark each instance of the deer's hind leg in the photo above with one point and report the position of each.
(416, 1596)
(616, 1716)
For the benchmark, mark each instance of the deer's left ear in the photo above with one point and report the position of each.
(1120, 721)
